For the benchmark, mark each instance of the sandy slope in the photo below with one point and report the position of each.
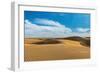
(67, 49)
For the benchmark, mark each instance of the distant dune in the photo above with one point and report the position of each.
(83, 40)
(38, 49)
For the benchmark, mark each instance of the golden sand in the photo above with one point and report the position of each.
(67, 49)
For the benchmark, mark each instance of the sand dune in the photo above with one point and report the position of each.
(55, 49)
(85, 41)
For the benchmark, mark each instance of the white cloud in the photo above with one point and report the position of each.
(50, 28)
(83, 29)
(54, 29)
(48, 22)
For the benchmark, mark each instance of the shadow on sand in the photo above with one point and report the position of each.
(48, 41)
(83, 41)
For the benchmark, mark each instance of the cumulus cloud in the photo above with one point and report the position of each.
(53, 28)
(48, 22)
(83, 29)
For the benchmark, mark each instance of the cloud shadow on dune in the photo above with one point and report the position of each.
(48, 41)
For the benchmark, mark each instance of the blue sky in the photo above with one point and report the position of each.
(57, 24)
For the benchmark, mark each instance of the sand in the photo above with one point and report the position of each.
(66, 50)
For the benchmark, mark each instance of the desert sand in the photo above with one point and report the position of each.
(61, 50)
